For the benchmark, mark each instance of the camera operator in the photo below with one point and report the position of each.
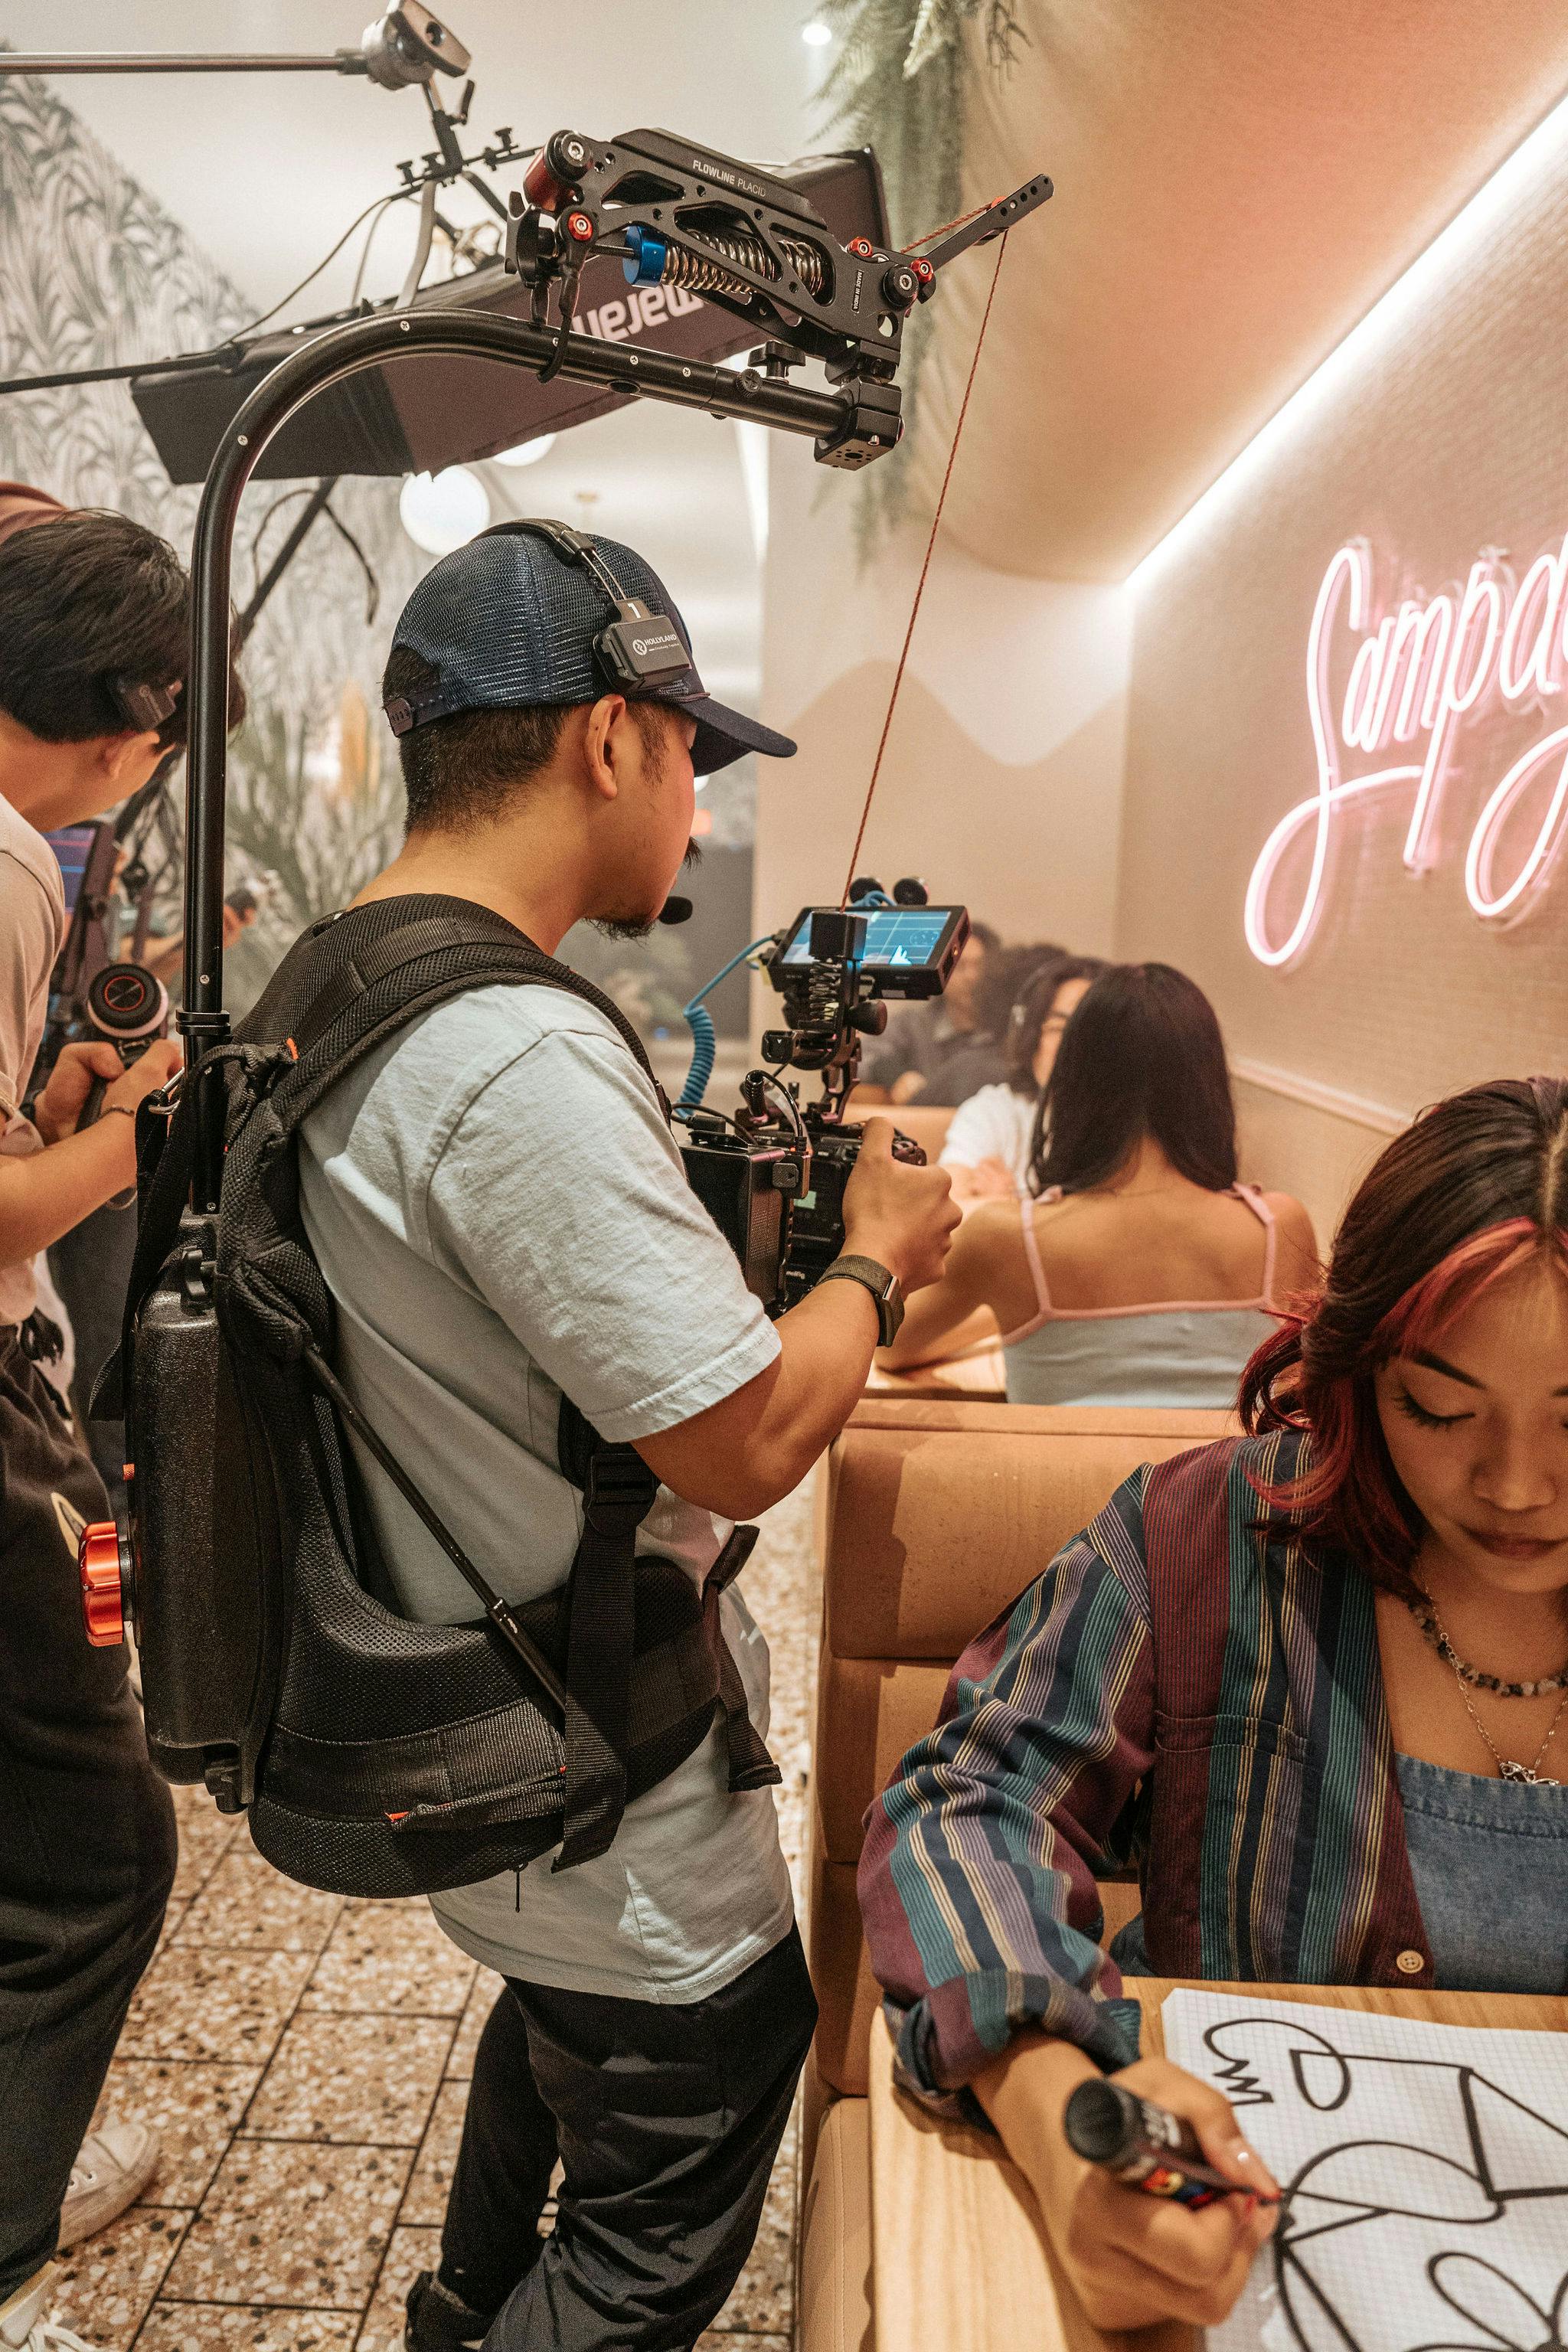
(503, 1218)
(93, 622)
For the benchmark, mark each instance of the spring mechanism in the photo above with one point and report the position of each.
(700, 275)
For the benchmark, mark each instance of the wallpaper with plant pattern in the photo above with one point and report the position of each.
(93, 273)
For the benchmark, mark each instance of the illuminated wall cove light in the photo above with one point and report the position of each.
(1418, 675)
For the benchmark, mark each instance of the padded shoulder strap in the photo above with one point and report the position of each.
(359, 977)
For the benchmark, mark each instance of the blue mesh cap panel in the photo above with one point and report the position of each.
(508, 621)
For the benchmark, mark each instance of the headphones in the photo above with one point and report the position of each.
(637, 652)
(640, 652)
(145, 708)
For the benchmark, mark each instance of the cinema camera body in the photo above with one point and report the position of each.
(773, 1175)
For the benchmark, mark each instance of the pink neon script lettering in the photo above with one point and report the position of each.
(1426, 668)
(1350, 568)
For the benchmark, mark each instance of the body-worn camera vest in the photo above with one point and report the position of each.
(377, 1755)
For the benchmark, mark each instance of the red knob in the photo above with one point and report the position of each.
(102, 1584)
(542, 187)
(579, 226)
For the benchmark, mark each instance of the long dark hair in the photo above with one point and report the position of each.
(1475, 1189)
(1142, 1055)
(1030, 1009)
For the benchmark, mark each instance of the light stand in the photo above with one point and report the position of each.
(405, 47)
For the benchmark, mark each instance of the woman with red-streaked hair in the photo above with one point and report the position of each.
(1313, 1681)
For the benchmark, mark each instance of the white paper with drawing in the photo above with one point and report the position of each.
(1426, 2169)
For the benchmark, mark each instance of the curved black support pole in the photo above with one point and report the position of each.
(318, 365)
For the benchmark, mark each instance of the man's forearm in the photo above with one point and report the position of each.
(50, 1191)
(742, 1455)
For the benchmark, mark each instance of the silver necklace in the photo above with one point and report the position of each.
(1530, 1775)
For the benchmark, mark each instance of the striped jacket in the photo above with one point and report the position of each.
(1180, 1688)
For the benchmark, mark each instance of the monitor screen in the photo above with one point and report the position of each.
(72, 845)
(898, 939)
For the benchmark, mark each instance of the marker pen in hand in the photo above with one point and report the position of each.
(1145, 2147)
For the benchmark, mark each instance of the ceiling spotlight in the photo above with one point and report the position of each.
(527, 453)
(816, 35)
(443, 511)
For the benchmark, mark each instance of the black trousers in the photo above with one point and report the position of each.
(90, 1267)
(666, 2122)
(86, 1828)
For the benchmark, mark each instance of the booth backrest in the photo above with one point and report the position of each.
(936, 1516)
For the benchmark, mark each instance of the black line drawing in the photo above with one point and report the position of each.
(1443, 2200)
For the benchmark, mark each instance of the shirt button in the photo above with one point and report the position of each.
(1410, 1964)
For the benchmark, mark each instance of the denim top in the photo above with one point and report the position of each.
(1489, 1859)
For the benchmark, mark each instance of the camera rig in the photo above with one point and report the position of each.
(773, 1175)
(678, 215)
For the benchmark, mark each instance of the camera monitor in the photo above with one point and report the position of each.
(909, 951)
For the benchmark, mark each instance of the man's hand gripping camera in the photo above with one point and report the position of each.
(772, 1177)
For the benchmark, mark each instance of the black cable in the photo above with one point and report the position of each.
(228, 348)
(306, 490)
(386, 203)
(373, 585)
(292, 290)
(303, 490)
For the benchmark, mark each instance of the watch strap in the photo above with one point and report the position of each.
(883, 1285)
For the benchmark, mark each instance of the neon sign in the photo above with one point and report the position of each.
(1420, 673)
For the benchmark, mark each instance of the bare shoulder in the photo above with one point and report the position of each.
(1299, 1244)
(990, 1230)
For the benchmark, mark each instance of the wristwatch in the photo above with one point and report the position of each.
(882, 1286)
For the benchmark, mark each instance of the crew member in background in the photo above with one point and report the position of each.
(992, 1139)
(89, 1267)
(93, 612)
(503, 1219)
(925, 1045)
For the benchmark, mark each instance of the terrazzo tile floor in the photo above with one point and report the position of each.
(306, 2061)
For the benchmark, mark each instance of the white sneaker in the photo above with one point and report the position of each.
(23, 2327)
(115, 2165)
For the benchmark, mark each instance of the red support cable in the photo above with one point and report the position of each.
(925, 567)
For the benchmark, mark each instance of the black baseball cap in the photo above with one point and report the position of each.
(508, 621)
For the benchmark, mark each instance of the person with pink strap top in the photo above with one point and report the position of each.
(1139, 1272)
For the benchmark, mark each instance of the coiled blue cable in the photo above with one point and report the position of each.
(704, 1037)
(704, 1049)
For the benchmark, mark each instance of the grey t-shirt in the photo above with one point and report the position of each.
(32, 928)
(502, 1214)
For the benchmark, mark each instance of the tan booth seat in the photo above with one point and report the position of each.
(935, 1516)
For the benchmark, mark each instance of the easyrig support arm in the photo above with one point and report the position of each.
(832, 419)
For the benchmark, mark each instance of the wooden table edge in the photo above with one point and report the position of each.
(958, 2258)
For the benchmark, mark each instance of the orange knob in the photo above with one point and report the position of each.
(102, 1584)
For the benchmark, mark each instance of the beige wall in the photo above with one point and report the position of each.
(1000, 785)
(1439, 432)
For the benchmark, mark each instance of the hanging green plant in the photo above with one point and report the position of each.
(898, 84)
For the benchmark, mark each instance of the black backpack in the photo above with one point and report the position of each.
(378, 1756)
